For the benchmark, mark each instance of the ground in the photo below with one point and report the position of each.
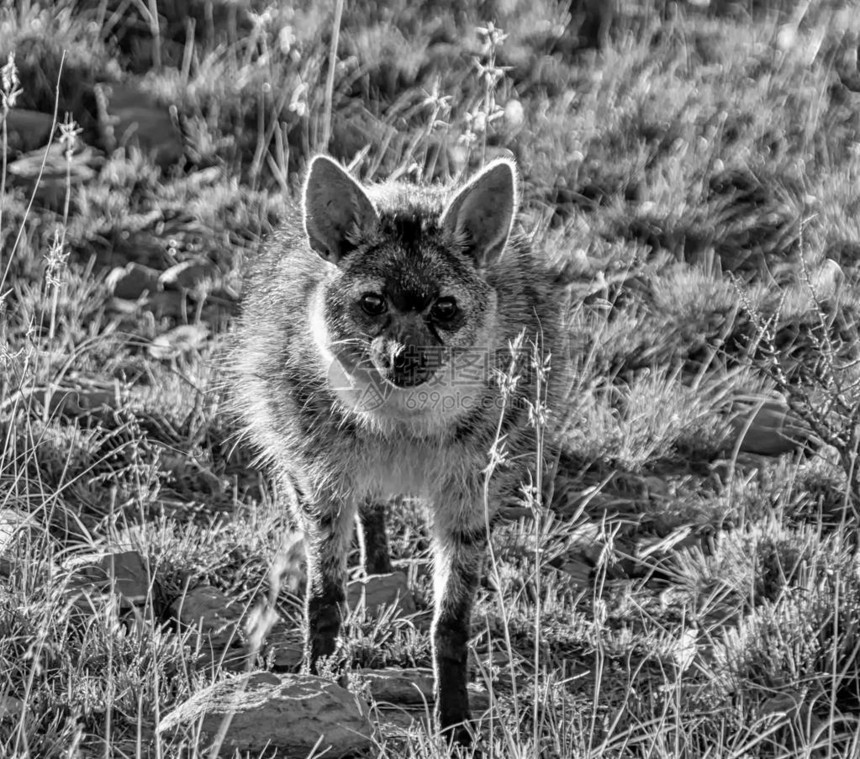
(691, 588)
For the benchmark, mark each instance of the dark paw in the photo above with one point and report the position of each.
(458, 735)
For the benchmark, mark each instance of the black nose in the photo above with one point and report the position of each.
(409, 368)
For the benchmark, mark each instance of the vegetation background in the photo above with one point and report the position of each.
(691, 589)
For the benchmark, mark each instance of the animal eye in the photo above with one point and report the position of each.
(444, 309)
(372, 304)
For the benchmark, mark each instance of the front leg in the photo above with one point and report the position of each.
(328, 530)
(458, 553)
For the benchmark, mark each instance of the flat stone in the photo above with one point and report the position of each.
(187, 275)
(399, 686)
(133, 280)
(284, 648)
(209, 611)
(18, 532)
(218, 623)
(129, 115)
(826, 280)
(580, 571)
(412, 687)
(290, 714)
(379, 591)
(79, 401)
(406, 715)
(766, 426)
(79, 396)
(51, 173)
(28, 130)
(165, 304)
(124, 573)
(400, 720)
(11, 708)
(161, 304)
(179, 340)
(12, 522)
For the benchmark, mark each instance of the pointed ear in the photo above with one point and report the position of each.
(481, 215)
(336, 209)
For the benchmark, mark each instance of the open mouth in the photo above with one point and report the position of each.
(406, 377)
(377, 374)
(403, 370)
(406, 366)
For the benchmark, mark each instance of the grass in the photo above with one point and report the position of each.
(694, 178)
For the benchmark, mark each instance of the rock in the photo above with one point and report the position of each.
(401, 721)
(412, 686)
(766, 426)
(142, 246)
(79, 397)
(12, 522)
(160, 304)
(399, 686)
(591, 21)
(511, 513)
(179, 340)
(170, 304)
(129, 115)
(292, 714)
(579, 571)
(28, 130)
(123, 306)
(515, 114)
(827, 280)
(187, 275)
(11, 708)
(213, 614)
(405, 696)
(479, 698)
(124, 573)
(354, 126)
(132, 280)
(219, 622)
(381, 590)
(59, 174)
(284, 649)
(15, 528)
(81, 401)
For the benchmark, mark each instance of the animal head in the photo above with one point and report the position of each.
(407, 292)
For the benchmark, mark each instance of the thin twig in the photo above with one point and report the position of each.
(332, 63)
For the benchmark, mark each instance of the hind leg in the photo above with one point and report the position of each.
(373, 538)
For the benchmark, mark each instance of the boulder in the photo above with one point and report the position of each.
(28, 130)
(17, 533)
(129, 115)
(766, 426)
(79, 396)
(52, 172)
(377, 591)
(284, 648)
(187, 275)
(178, 341)
(133, 280)
(412, 687)
(399, 686)
(209, 611)
(124, 573)
(405, 696)
(290, 714)
(11, 709)
(223, 634)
